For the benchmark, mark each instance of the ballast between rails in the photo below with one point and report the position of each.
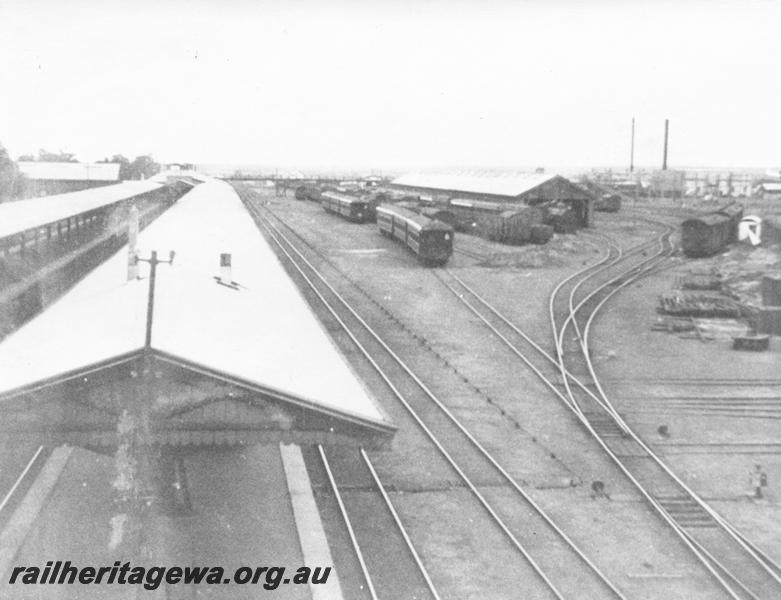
(767, 564)
(639, 270)
(604, 581)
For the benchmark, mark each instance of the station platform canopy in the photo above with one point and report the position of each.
(23, 215)
(237, 357)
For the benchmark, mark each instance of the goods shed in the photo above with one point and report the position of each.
(527, 188)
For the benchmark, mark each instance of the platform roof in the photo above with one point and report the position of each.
(493, 185)
(261, 335)
(69, 171)
(22, 215)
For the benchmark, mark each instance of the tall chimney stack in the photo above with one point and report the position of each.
(666, 132)
(632, 149)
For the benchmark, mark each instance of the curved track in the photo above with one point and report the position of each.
(739, 567)
(462, 451)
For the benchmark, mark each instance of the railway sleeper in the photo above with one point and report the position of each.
(686, 512)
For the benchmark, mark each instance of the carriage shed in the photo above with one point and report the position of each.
(223, 352)
(528, 188)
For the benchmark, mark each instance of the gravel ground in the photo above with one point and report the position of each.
(714, 453)
(531, 433)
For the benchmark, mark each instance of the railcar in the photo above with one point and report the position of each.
(608, 203)
(351, 208)
(430, 240)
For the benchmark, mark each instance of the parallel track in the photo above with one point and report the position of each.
(562, 555)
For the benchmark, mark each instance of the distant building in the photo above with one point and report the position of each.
(46, 178)
(768, 190)
(667, 183)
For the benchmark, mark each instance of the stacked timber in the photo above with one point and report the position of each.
(701, 306)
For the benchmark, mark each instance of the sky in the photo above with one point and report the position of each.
(388, 84)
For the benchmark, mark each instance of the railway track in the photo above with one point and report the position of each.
(740, 568)
(474, 466)
(13, 489)
(367, 514)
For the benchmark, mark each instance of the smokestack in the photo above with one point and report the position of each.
(632, 149)
(666, 131)
(132, 238)
(226, 276)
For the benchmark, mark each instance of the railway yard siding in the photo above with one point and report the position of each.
(529, 431)
(492, 464)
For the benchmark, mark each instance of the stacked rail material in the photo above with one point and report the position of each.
(349, 207)
(701, 281)
(608, 203)
(711, 233)
(702, 306)
(430, 240)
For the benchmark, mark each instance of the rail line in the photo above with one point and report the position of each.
(416, 400)
(398, 565)
(739, 567)
(21, 483)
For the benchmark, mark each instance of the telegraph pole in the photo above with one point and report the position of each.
(142, 439)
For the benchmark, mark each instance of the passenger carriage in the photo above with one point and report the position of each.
(430, 240)
(349, 207)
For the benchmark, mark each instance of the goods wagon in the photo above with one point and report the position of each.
(498, 222)
(430, 240)
(608, 203)
(541, 234)
(711, 233)
(349, 207)
(307, 192)
(511, 226)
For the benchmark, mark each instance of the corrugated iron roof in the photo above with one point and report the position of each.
(499, 185)
(260, 333)
(70, 171)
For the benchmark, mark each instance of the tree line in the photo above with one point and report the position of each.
(13, 183)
